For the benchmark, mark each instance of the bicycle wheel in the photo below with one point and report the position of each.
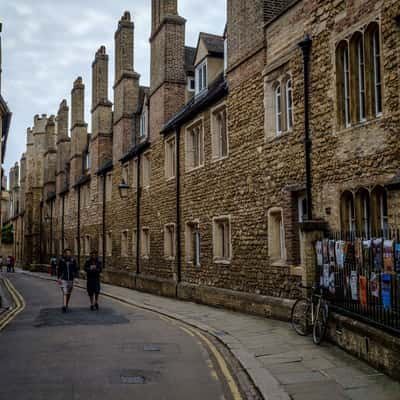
(321, 322)
(301, 316)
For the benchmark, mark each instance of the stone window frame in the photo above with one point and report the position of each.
(170, 158)
(189, 158)
(216, 137)
(109, 184)
(134, 241)
(125, 173)
(364, 83)
(170, 241)
(274, 81)
(191, 84)
(193, 243)
(201, 77)
(125, 243)
(222, 239)
(144, 124)
(109, 243)
(276, 236)
(146, 170)
(145, 242)
(364, 210)
(87, 245)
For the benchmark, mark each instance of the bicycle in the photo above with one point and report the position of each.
(310, 313)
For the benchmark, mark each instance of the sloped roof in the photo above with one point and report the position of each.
(274, 8)
(214, 43)
(190, 53)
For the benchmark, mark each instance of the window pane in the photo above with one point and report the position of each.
(377, 73)
(361, 80)
(289, 104)
(278, 111)
(346, 79)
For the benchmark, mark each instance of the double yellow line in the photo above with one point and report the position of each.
(18, 301)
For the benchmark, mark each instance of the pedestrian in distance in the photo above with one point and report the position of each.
(53, 265)
(93, 269)
(12, 263)
(67, 272)
(8, 263)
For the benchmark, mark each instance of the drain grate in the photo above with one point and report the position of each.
(151, 347)
(133, 380)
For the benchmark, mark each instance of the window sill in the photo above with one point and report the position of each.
(189, 170)
(170, 178)
(277, 138)
(279, 263)
(359, 124)
(222, 261)
(219, 159)
(145, 257)
(169, 258)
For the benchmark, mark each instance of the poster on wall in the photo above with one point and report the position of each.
(325, 254)
(326, 276)
(363, 290)
(331, 250)
(353, 285)
(385, 290)
(332, 288)
(358, 252)
(367, 253)
(397, 257)
(339, 253)
(318, 249)
(374, 285)
(377, 254)
(388, 256)
(348, 254)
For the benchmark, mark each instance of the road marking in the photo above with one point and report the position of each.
(186, 330)
(19, 304)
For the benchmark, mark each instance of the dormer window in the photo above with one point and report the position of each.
(191, 86)
(201, 77)
(143, 124)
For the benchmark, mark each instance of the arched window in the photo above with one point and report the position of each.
(361, 78)
(343, 84)
(289, 104)
(363, 217)
(278, 109)
(347, 212)
(379, 210)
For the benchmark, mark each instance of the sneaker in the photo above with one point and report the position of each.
(97, 306)
(64, 309)
(92, 308)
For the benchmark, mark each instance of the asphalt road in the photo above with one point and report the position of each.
(117, 353)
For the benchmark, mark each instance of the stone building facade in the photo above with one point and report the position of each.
(197, 186)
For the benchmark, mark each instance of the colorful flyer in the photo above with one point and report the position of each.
(397, 256)
(388, 256)
(358, 252)
(331, 249)
(377, 254)
(318, 249)
(339, 253)
(332, 288)
(325, 254)
(386, 284)
(326, 276)
(363, 290)
(374, 285)
(367, 253)
(354, 285)
(348, 254)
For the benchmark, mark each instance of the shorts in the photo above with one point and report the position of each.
(93, 286)
(67, 286)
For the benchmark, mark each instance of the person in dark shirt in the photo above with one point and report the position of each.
(93, 269)
(67, 272)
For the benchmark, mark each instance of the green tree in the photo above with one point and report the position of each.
(7, 236)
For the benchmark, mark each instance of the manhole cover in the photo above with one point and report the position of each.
(133, 380)
(151, 347)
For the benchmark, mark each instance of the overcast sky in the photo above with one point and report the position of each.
(48, 43)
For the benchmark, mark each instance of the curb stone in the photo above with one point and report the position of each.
(263, 380)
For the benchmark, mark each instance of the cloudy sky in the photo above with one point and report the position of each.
(48, 43)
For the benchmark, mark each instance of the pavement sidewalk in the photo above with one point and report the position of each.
(281, 364)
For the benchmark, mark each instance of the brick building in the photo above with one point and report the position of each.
(202, 185)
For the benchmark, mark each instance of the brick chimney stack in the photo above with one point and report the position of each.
(63, 145)
(126, 87)
(101, 140)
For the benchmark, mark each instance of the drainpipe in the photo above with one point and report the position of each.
(178, 206)
(62, 223)
(40, 232)
(79, 227)
(104, 222)
(51, 228)
(138, 194)
(305, 46)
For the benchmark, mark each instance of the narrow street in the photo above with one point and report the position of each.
(119, 352)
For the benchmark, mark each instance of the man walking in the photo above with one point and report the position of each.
(12, 263)
(8, 263)
(67, 272)
(93, 269)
